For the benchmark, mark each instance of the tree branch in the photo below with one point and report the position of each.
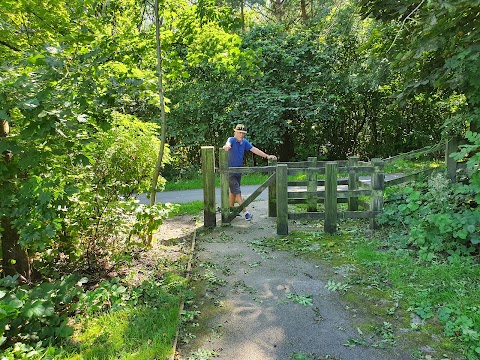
(403, 24)
(10, 46)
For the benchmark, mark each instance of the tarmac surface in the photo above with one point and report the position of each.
(251, 313)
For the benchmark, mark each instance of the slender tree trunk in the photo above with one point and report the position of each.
(277, 9)
(14, 258)
(304, 10)
(242, 14)
(158, 166)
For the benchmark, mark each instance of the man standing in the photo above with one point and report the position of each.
(236, 146)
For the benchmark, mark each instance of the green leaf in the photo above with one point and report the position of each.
(4, 115)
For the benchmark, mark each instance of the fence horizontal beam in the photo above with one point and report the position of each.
(341, 194)
(408, 178)
(340, 215)
(319, 201)
(319, 182)
(423, 151)
(247, 170)
(304, 164)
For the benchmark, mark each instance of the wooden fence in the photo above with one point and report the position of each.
(330, 191)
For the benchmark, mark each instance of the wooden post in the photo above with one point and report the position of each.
(224, 191)
(451, 164)
(352, 182)
(272, 194)
(208, 172)
(282, 199)
(312, 185)
(376, 199)
(331, 172)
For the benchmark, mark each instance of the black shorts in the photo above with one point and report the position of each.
(234, 183)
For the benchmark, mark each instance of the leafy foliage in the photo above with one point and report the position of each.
(37, 315)
(437, 218)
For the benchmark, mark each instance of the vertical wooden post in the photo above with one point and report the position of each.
(451, 164)
(352, 182)
(224, 191)
(376, 199)
(312, 185)
(272, 194)
(331, 172)
(208, 172)
(282, 199)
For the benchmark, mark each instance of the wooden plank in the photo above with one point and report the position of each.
(330, 224)
(376, 199)
(282, 199)
(413, 153)
(341, 194)
(307, 216)
(247, 170)
(272, 193)
(224, 191)
(408, 178)
(364, 170)
(319, 182)
(312, 185)
(304, 164)
(319, 201)
(303, 171)
(253, 196)
(208, 175)
(352, 182)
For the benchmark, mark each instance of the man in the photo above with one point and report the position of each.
(236, 146)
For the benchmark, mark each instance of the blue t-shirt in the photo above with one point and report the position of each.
(235, 155)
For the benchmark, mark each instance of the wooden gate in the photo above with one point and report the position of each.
(331, 192)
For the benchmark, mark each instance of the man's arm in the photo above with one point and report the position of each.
(259, 152)
(227, 145)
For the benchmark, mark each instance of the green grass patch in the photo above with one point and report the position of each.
(191, 208)
(443, 297)
(130, 333)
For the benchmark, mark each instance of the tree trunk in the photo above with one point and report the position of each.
(277, 9)
(14, 258)
(158, 165)
(242, 14)
(304, 10)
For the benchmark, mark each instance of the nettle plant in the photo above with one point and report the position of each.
(438, 217)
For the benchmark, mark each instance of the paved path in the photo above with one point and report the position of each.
(251, 316)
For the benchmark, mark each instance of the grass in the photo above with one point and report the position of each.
(396, 286)
(191, 208)
(130, 333)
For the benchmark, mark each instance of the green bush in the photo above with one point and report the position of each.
(437, 217)
(37, 315)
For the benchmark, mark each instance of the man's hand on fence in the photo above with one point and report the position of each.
(227, 147)
(271, 157)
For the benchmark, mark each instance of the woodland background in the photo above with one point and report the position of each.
(80, 103)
